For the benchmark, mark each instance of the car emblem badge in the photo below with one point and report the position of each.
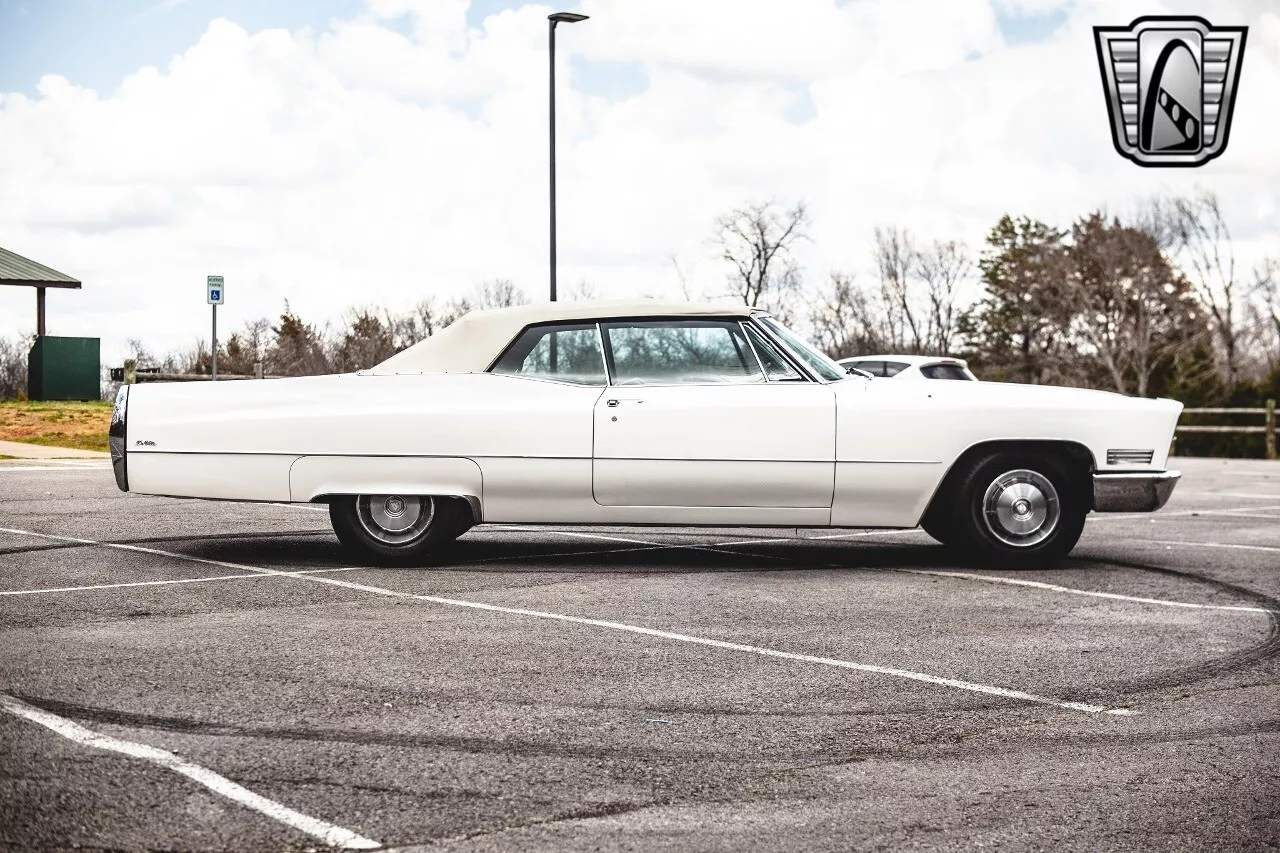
(1171, 85)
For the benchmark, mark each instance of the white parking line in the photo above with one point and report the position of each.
(1053, 587)
(720, 547)
(1231, 495)
(1269, 548)
(7, 468)
(165, 583)
(1040, 585)
(79, 463)
(969, 686)
(334, 836)
(1156, 516)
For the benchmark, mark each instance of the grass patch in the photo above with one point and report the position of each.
(80, 426)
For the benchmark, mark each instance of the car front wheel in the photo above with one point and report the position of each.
(1019, 510)
(398, 529)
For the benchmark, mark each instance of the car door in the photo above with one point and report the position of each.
(534, 428)
(695, 416)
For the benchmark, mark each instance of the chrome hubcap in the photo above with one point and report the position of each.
(1021, 508)
(395, 519)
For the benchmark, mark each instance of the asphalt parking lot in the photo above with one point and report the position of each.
(187, 675)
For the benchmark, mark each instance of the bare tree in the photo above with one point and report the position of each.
(419, 323)
(681, 278)
(845, 320)
(245, 348)
(367, 341)
(943, 269)
(758, 240)
(1196, 232)
(496, 293)
(896, 259)
(1266, 307)
(171, 363)
(583, 290)
(13, 367)
(1133, 312)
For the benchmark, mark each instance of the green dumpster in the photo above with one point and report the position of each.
(64, 369)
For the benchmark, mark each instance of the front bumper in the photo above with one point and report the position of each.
(1136, 492)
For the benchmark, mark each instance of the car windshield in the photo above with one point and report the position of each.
(805, 352)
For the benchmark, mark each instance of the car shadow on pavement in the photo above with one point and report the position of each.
(516, 555)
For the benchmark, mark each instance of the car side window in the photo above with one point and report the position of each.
(669, 352)
(893, 368)
(945, 371)
(875, 368)
(776, 367)
(565, 353)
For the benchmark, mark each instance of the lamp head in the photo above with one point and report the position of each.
(566, 18)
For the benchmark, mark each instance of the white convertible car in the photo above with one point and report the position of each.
(646, 412)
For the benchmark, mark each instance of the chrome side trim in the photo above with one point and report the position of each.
(1133, 492)
(786, 352)
(742, 326)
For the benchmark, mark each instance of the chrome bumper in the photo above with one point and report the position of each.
(116, 439)
(1139, 492)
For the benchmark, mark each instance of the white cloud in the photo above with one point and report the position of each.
(356, 165)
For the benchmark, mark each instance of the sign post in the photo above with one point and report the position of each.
(217, 294)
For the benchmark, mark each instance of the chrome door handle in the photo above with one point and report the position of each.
(612, 404)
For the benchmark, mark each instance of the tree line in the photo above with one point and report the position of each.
(1153, 304)
(290, 346)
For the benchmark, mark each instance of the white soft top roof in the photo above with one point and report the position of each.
(471, 343)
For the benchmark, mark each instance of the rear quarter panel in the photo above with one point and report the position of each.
(295, 439)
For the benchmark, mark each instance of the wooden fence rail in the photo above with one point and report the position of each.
(1267, 428)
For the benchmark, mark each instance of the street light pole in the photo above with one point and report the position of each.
(552, 20)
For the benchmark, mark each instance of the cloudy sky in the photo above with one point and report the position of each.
(373, 152)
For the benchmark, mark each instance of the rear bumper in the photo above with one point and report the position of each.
(1139, 492)
(116, 439)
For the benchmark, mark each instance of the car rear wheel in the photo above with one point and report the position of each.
(1018, 510)
(398, 529)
